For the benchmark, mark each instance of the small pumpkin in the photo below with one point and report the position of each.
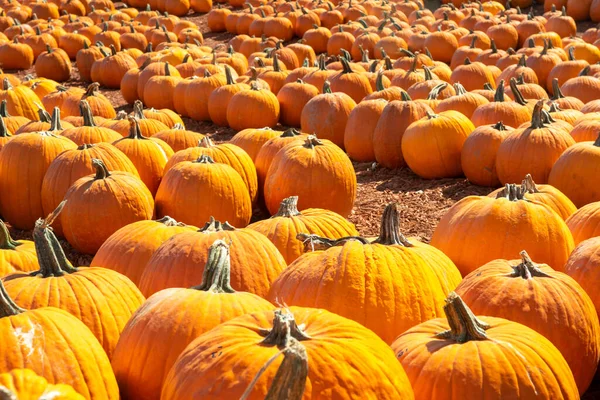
(292, 98)
(511, 113)
(220, 97)
(20, 100)
(252, 140)
(89, 132)
(360, 129)
(24, 383)
(254, 108)
(15, 255)
(99, 104)
(159, 89)
(179, 138)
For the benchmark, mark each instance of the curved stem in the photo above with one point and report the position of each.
(288, 208)
(135, 132)
(7, 242)
(86, 113)
(216, 276)
(138, 110)
(3, 129)
(464, 325)
(4, 109)
(44, 116)
(8, 307)
(511, 192)
(91, 90)
(527, 269)
(101, 170)
(556, 90)
(516, 92)
(536, 118)
(389, 233)
(314, 242)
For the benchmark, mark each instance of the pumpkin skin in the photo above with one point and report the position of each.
(509, 112)
(283, 227)
(585, 222)
(532, 150)
(583, 266)
(531, 290)
(252, 140)
(292, 98)
(149, 155)
(358, 135)
(89, 132)
(501, 227)
(422, 140)
(15, 255)
(20, 100)
(102, 299)
(100, 105)
(13, 123)
(193, 191)
(59, 337)
(120, 195)
(73, 164)
(355, 370)
(572, 172)
(178, 138)
(36, 150)
(254, 108)
(417, 274)
(152, 341)
(224, 153)
(26, 384)
(492, 353)
(396, 117)
(326, 115)
(328, 179)
(255, 261)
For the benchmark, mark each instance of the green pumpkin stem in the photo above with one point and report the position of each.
(8, 307)
(288, 208)
(216, 276)
(527, 269)
(499, 126)
(134, 129)
(516, 92)
(464, 325)
(389, 233)
(7, 242)
(204, 159)
(4, 109)
(101, 170)
(51, 256)
(3, 129)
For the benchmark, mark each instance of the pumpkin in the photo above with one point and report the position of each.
(421, 90)
(121, 195)
(396, 117)
(180, 261)
(318, 77)
(5, 135)
(100, 105)
(53, 64)
(545, 194)
(166, 116)
(292, 98)
(250, 341)
(155, 332)
(148, 155)
(583, 267)
(20, 100)
(386, 93)
(36, 150)
(109, 71)
(148, 126)
(15, 255)
(129, 83)
(529, 360)
(463, 101)
(562, 101)
(441, 45)
(254, 108)
(104, 300)
(72, 164)
(13, 123)
(15, 55)
(216, 190)
(85, 59)
(153, 69)
(275, 76)
(45, 122)
(224, 153)
(178, 138)
(89, 132)
(56, 331)
(326, 115)
(473, 75)
(531, 150)
(511, 113)
(422, 140)
(415, 272)
(24, 383)
(354, 84)
(583, 87)
(360, 129)
(57, 98)
(572, 171)
(158, 91)
(584, 222)
(565, 70)
(219, 98)
(503, 225)
(252, 140)
(531, 290)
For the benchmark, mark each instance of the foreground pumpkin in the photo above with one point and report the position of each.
(364, 363)
(54, 338)
(531, 291)
(36, 151)
(323, 177)
(481, 357)
(283, 227)
(500, 227)
(418, 274)
(545, 194)
(102, 299)
(15, 255)
(120, 195)
(179, 262)
(155, 329)
(26, 384)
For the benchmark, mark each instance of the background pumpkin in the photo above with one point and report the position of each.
(15, 255)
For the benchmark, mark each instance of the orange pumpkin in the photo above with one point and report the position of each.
(20, 100)
(292, 98)
(178, 138)
(219, 98)
(511, 113)
(24, 383)
(360, 129)
(254, 108)
(252, 140)
(15, 255)
(585, 222)
(155, 333)
(583, 266)
(89, 132)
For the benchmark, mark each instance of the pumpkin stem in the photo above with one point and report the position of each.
(493, 46)
(291, 132)
(499, 126)
(168, 221)
(8, 307)
(6, 84)
(459, 89)
(101, 170)
(346, 68)
(3, 130)
(44, 116)
(216, 226)
(284, 329)
(138, 110)
(464, 325)
(527, 269)
(516, 92)
(314, 242)
(435, 92)
(52, 258)
(4, 110)
(529, 185)
(134, 129)
(556, 90)
(511, 192)
(55, 124)
(7, 242)
(216, 276)
(86, 113)
(204, 159)
(312, 141)
(499, 95)
(287, 208)
(536, 119)
(427, 73)
(327, 87)
(379, 81)
(91, 90)
(389, 233)
(597, 141)
(571, 53)
(585, 71)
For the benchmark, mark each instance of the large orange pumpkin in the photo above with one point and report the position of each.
(98, 205)
(364, 366)
(584, 266)
(152, 341)
(102, 299)
(26, 384)
(179, 261)
(585, 222)
(254, 108)
(500, 227)
(326, 177)
(531, 290)
(53, 339)
(419, 276)
(477, 357)
(15, 255)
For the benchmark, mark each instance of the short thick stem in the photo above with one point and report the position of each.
(288, 208)
(527, 269)
(101, 170)
(216, 276)
(464, 325)
(389, 232)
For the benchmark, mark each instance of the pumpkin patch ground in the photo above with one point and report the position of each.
(365, 126)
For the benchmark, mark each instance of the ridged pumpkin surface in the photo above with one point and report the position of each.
(27, 385)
